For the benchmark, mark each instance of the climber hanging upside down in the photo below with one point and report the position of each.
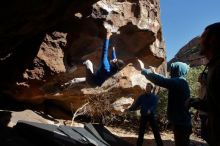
(106, 68)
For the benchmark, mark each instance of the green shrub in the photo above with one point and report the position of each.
(162, 108)
(192, 79)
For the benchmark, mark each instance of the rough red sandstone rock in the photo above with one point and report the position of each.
(43, 44)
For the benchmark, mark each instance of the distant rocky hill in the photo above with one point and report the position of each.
(190, 54)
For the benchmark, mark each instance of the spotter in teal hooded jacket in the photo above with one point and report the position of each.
(179, 92)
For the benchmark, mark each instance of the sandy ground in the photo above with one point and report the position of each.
(167, 138)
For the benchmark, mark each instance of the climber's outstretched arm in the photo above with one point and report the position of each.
(114, 57)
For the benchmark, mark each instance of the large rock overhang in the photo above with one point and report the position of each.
(43, 42)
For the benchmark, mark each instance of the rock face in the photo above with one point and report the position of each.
(190, 54)
(43, 45)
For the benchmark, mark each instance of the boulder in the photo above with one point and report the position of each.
(43, 45)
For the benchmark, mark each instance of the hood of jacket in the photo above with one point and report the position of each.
(178, 69)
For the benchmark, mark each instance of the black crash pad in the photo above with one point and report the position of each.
(90, 135)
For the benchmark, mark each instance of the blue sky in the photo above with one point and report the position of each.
(183, 20)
